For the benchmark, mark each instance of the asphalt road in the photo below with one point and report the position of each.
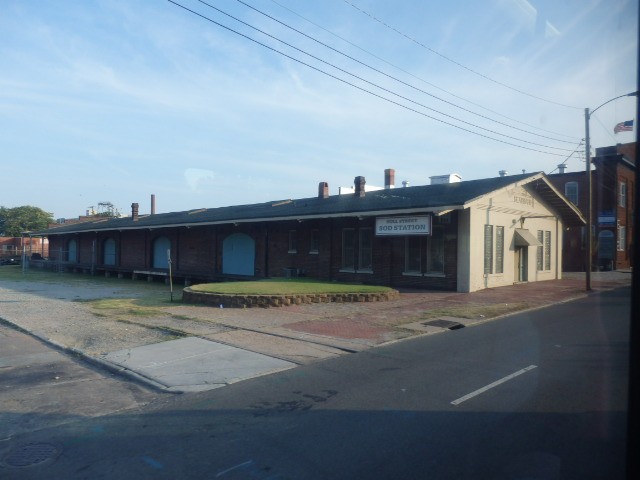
(41, 387)
(537, 395)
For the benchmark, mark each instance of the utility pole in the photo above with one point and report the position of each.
(589, 240)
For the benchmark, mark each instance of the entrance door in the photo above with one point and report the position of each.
(606, 250)
(109, 252)
(522, 262)
(72, 251)
(238, 254)
(160, 247)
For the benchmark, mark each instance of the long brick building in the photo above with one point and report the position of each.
(461, 236)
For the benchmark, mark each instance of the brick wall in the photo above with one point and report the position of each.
(198, 251)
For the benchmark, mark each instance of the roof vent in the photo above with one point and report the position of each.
(503, 173)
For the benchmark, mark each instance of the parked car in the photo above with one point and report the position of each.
(10, 261)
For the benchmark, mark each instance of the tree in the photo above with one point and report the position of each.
(15, 221)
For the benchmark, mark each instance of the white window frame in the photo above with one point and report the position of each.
(622, 193)
(622, 238)
(499, 256)
(488, 249)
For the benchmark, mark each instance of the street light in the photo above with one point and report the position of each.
(587, 149)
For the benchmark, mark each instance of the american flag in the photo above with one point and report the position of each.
(624, 127)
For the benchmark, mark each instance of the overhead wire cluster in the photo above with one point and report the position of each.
(544, 143)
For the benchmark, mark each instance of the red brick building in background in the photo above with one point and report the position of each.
(613, 186)
(13, 246)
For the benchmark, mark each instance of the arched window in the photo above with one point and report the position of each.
(160, 247)
(109, 252)
(72, 251)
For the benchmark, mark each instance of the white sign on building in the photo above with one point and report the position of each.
(414, 225)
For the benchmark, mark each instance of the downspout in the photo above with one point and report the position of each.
(177, 262)
(266, 250)
(558, 242)
(331, 249)
(215, 252)
(93, 255)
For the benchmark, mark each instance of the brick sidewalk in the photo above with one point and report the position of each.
(376, 323)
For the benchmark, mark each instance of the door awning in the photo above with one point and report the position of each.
(524, 238)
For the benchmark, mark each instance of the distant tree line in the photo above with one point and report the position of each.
(15, 221)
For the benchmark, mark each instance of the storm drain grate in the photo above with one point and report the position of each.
(31, 454)
(443, 324)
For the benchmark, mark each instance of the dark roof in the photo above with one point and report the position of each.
(397, 200)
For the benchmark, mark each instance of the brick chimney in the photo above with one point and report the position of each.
(359, 184)
(323, 190)
(389, 178)
(153, 204)
(134, 212)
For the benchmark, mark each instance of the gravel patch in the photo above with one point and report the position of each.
(50, 311)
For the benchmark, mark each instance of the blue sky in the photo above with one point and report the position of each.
(115, 100)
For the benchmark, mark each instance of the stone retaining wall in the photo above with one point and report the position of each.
(246, 301)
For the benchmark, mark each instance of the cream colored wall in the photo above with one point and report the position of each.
(506, 208)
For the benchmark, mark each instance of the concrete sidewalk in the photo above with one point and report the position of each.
(224, 346)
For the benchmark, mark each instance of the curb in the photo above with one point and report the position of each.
(98, 362)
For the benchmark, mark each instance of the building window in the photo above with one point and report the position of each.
(571, 192)
(622, 194)
(314, 242)
(622, 238)
(499, 249)
(488, 249)
(293, 241)
(348, 249)
(540, 252)
(547, 250)
(365, 250)
(435, 251)
(412, 255)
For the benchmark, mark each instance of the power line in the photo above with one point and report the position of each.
(417, 77)
(358, 87)
(578, 149)
(391, 76)
(497, 82)
(376, 85)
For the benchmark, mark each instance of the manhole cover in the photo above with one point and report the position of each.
(31, 454)
(443, 324)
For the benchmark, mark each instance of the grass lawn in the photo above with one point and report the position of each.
(291, 286)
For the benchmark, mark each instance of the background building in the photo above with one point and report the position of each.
(613, 186)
